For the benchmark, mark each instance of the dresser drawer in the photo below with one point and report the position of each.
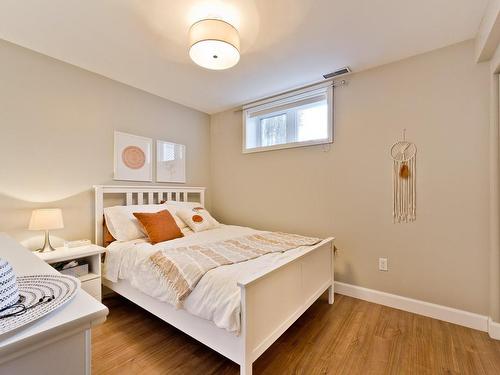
(93, 287)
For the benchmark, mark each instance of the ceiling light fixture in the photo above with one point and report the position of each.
(214, 44)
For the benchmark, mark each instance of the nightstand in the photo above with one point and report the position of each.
(91, 254)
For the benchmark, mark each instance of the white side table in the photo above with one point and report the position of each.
(91, 282)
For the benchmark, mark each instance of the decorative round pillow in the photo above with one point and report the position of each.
(198, 219)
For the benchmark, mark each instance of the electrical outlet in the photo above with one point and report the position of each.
(382, 264)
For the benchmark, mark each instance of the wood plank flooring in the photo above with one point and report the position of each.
(350, 337)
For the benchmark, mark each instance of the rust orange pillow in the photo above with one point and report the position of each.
(160, 226)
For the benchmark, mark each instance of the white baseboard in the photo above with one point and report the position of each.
(447, 314)
(494, 329)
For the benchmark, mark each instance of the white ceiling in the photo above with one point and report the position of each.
(285, 43)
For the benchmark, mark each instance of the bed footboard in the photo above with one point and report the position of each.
(273, 301)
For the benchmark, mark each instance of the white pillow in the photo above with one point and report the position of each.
(198, 219)
(174, 206)
(123, 225)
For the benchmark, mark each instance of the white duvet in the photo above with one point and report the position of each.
(217, 295)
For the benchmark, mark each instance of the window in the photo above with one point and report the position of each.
(301, 118)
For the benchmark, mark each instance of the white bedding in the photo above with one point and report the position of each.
(217, 295)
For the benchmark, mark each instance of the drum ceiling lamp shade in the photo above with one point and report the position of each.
(214, 44)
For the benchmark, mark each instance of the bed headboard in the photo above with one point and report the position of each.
(141, 195)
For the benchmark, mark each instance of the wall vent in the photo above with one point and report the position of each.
(339, 72)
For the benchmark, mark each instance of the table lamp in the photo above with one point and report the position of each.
(46, 219)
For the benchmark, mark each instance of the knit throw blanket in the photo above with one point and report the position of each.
(181, 268)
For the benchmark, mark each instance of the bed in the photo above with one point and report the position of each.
(272, 291)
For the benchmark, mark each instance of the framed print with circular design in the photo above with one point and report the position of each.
(133, 157)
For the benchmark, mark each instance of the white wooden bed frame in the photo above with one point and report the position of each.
(270, 302)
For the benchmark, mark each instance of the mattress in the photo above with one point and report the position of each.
(217, 296)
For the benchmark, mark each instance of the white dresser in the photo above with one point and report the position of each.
(59, 343)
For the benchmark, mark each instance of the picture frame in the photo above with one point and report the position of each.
(170, 162)
(132, 157)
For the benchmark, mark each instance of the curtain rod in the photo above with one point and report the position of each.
(312, 86)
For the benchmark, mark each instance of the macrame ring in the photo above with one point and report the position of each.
(403, 151)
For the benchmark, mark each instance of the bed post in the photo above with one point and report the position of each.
(99, 212)
(246, 363)
(246, 369)
(202, 197)
(331, 289)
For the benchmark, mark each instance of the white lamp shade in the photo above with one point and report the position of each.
(214, 44)
(46, 218)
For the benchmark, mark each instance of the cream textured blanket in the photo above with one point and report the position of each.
(181, 268)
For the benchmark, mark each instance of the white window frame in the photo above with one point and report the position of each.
(289, 98)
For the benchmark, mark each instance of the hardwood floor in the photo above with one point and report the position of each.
(349, 337)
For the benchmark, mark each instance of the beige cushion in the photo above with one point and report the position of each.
(198, 219)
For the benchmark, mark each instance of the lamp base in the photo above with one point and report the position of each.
(47, 246)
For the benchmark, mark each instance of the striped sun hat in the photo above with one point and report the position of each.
(9, 291)
(24, 299)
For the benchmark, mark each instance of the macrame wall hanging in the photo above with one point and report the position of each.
(404, 173)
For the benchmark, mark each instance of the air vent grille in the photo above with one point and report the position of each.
(339, 72)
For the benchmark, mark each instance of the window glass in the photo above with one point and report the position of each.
(273, 130)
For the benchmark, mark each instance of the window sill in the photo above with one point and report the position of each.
(287, 145)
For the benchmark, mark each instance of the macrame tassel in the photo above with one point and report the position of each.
(404, 190)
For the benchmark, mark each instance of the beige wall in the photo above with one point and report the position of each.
(56, 137)
(441, 98)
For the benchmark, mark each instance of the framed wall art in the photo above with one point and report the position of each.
(170, 162)
(133, 155)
